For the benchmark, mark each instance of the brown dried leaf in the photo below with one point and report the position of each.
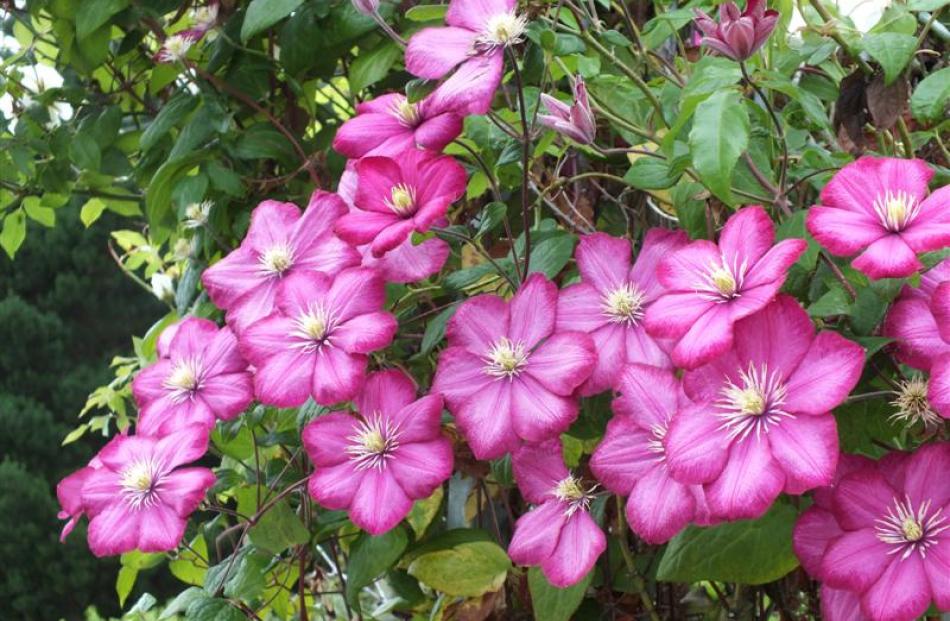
(887, 103)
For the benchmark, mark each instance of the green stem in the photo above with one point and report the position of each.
(834, 34)
(638, 581)
(525, 155)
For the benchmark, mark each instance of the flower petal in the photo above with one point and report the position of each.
(624, 455)
(657, 244)
(814, 530)
(474, 14)
(337, 375)
(537, 413)
(284, 380)
(537, 533)
(861, 498)
(334, 486)
(379, 503)
(365, 333)
(580, 545)
(419, 421)
(888, 257)
(562, 362)
(532, 311)
(747, 236)
(459, 375)
(659, 507)
(710, 336)
(749, 483)
(420, 467)
(826, 375)
(696, 446)
(433, 52)
(649, 395)
(538, 468)
(326, 438)
(478, 323)
(603, 261)
(842, 231)
(183, 489)
(485, 418)
(900, 593)
(806, 447)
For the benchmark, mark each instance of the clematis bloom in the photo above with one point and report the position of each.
(508, 375)
(919, 321)
(140, 499)
(279, 242)
(768, 426)
(199, 377)
(395, 197)
(576, 121)
(889, 535)
(610, 301)
(473, 44)
(878, 208)
(738, 35)
(389, 125)
(69, 494)
(558, 534)
(376, 464)
(631, 459)
(710, 287)
(317, 342)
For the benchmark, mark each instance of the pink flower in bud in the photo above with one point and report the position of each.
(576, 121)
(139, 499)
(366, 7)
(737, 35)
(376, 464)
(558, 534)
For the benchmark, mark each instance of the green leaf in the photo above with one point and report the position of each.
(75, 434)
(44, 215)
(182, 602)
(262, 141)
(930, 98)
(13, 232)
(279, 529)
(749, 552)
(141, 560)
(124, 583)
(892, 50)
(158, 195)
(372, 66)
(187, 567)
(719, 136)
(424, 511)
(91, 210)
(95, 13)
(213, 609)
(84, 152)
(551, 603)
(551, 253)
(418, 89)
(927, 5)
(649, 173)
(247, 577)
(492, 215)
(461, 566)
(427, 12)
(834, 302)
(371, 556)
(262, 14)
(435, 330)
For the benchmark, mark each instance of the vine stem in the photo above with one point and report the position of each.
(525, 154)
(638, 582)
(783, 165)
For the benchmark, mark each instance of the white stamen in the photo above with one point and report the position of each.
(909, 531)
(176, 48)
(655, 445)
(896, 211)
(568, 490)
(624, 304)
(722, 282)
(184, 379)
(506, 359)
(313, 328)
(502, 30)
(277, 259)
(753, 405)
(912, 404)
(374, 443)
(402, 200)
(140, 482)
(407, 113)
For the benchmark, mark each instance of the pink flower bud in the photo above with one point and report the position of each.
(577, 121)
(737, 35)
(366, 7)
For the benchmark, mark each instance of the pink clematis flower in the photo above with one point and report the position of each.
(139, 499)
(737, 35)
(474, 45)
(199, 377)
(879, 207)
(69, 494)
(395, 197)
(279, 242)
(611, 299)
(317, 342)
(375, 465)
(508, 374)
(631, 459)
(920, 323)
(407, 262)
(768, 426)
(558, 534)
(389, 125)
(576, 121)
(889, 542)
(711, 287)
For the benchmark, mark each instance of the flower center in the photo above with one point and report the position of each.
(176, 47)
(908, 530)
(503, 29)
(313, 327)
(402, 199)
(506, 359)
(196, 214)
(407, 113)
(722, 282)
(140, 482)
(374, 443)
(277, 259)
(184, 379)
(896, 210)
(568, 490)
(655, 445)
(624, 304)
(912, 404)
(752, 404)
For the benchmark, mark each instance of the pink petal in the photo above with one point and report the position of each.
(392, 236)
(326, 438)
(749, 483)
(436, 177)
(778, 337)
(386, 392)
(940, 307)
(603, 261)
(644, 349)
(532, 311)
(419, 421)
(684, 268)
(814, 530)
(705, 383)
(472, 87)
(409, 263)
(227, 395)
(284, 380)
(233, 276)
(562, 362)
(365, 333)
(160, 529)
(459, 375)
(149, 383)
(747, 235)
(376, 178)
(657, 244)
(271, 224)
(474, 14)
(580, 307)
(888, 257)
(773, 266)
(930, 230)
(696, 446)
(379, 503)
(842, 231)
(298, 291)
(485, 419)
(356, 291)
(181, 447)
(806, 447)
(191, 338)
(328, 253)
(610, 344)
(420, 467)
(100, 489)
(185, 488)
(856, 186)
(659, 507)
(624, 455)
(937, 567)
(69, 490)
(938, 388)
(840, 605)
(362, 227)
(826, 375)
(861, 498)
(673, 314)
(911, 322)
(926, 475)
(537, 413)
(710, 336)
(538, 468)
(365, 132)
(222, 355)
(901, 593)
(337, 375)
(165, 416)
(537, 533)
(323, 209)
(580, 545)
(478, 323)
(334, 486)
(114, 531)
(438, 131)
(257, 303)
(649, 395)
(266, 338)
(433, 52)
